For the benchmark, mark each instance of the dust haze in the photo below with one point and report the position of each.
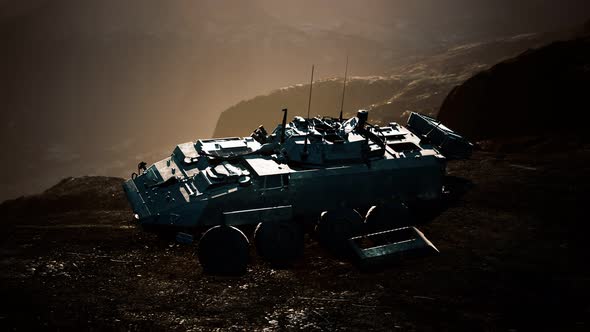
(93, 87)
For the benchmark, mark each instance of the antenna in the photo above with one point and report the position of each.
(310, 88)
(284, 125)
(343, 89)
(304, 155)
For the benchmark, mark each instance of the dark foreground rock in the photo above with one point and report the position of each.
(543, 91)
(513, 257)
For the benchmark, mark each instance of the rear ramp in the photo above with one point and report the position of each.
(378, 249)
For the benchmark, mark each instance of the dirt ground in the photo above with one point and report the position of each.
(513, 256)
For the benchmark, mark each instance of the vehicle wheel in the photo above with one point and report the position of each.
(280, 243)
(224, 250)
(384, 217)
(335, 227)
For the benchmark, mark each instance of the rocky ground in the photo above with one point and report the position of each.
(513, 256)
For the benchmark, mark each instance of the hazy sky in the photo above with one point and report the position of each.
(88, 87)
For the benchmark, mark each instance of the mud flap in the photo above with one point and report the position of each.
(377, 249)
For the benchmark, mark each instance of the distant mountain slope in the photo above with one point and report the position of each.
(420, 86)
(241, 119)
(540, 92)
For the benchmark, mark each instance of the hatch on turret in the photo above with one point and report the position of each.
(263, 166)
(225, 170)
(226, 147)
(186, 153)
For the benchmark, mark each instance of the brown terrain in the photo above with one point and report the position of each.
(513, 248)
(513, 256)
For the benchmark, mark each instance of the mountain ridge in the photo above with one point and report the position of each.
(525, 95)
(421, 86)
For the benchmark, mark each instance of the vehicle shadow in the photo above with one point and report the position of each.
(454, 189)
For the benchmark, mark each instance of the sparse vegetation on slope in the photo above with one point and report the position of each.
(246, 116)
(420, 86)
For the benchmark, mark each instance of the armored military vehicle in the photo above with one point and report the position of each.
(311, 171)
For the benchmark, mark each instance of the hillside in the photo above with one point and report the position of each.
(86, 193)
(419, 86)
(513, 257)
(241, 119)
(540, 92)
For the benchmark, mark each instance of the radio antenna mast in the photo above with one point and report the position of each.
(310, 88)
(308, 108)
(343, 89)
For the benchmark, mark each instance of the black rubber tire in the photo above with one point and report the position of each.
(384, 217)
(279, 243)
(335, 227)
(224, 250)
